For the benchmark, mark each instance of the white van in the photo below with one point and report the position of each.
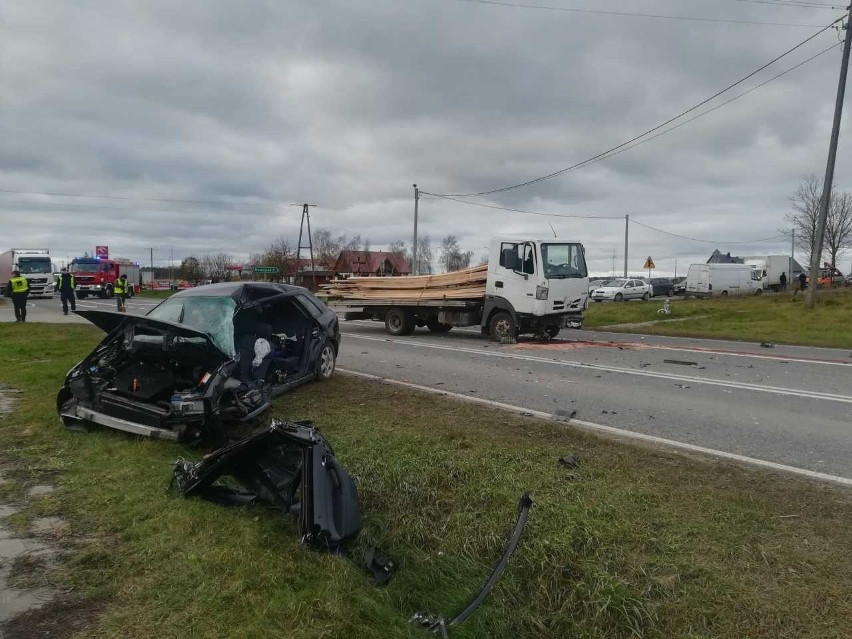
(712, 280)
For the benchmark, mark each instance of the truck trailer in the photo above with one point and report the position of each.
(33, 264)
(771, 267)
(534, 286)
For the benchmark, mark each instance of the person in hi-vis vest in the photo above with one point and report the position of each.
(19, 287)
(120, 290)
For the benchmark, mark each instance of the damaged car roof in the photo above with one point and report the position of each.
(240, 292)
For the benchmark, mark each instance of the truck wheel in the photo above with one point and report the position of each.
(437, 327)
(502, 327)
(646, 296)
(619, 297)
(552, 331)
(109, 291)
(398, 321)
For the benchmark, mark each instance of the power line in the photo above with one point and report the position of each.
(649, 131)
(695, 239)
(793, 3)
(652, 16)
(503, 208)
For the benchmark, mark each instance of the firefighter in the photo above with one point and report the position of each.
(20, 289)
(120, 290)
(67, 284)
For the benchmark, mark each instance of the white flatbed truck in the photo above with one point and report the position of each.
(533, 286)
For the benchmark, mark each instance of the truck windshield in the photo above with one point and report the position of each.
(211, 315)
(34, 265)
(84, 267)
(562, 261)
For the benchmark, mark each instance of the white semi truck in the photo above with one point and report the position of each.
(533, 286)
(34, 264)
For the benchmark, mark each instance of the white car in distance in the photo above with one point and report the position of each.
(620, 290)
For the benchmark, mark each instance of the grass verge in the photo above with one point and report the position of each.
(781, 318)
(634, 543)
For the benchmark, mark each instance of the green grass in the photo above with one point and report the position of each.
(635, 543)
(781, 318)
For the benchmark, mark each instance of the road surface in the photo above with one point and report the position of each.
(789, 405)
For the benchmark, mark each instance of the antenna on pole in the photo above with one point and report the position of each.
(552, 229)
(306, 223)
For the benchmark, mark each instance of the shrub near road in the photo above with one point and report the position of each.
(633, 543)
(780, 318)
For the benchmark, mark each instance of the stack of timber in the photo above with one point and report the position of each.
(458, 285)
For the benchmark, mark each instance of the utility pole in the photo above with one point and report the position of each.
(816, 253)
(792, 256)
(414, 269)
(306, 220)
(626, 236)
(171, 268)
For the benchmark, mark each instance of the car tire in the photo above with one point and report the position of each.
(758, 292)
(724, 293)
(502, 327)
(398, 321)
(646, 296)
(438, 327)
(326, 362)
(619, 297)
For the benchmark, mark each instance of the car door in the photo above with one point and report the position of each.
(627, 291)
(512, 275)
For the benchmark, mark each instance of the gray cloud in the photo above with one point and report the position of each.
(260, 104)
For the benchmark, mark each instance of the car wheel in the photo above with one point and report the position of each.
(502, 327)
(619, 297)
(326, 362)
(724, 293)
(438, 327)
(398, 321)
(646, 296)
(758, 292)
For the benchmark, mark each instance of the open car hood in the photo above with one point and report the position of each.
(108, 321)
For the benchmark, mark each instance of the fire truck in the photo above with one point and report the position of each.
(97, 276)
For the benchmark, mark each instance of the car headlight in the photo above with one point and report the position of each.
(541, 291)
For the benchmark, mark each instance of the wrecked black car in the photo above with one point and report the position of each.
(201, 361)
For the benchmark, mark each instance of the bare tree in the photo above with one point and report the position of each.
(838, 226)
(805, 214)
(425, 257)
(280, 255)
(327, 247)
(191, 270)
(217, 265)
(452, 257)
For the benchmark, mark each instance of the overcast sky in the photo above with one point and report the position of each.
(251, 106)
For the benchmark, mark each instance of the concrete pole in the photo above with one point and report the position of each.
(825, 202)
(414, 269)
(626, 238)
(792, 256)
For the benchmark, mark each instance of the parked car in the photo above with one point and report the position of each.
(195, 365)
(662, 286)
(678, 286)
(594, 284)
(622, 289)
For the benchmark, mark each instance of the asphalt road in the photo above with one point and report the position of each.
(789, 405)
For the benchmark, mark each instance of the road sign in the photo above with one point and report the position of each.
(102, 252)
(649, 263)
(265, 269)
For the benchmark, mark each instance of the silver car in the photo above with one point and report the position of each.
(620, 290)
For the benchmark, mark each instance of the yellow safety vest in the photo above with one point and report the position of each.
(118, 288)
(19, 284)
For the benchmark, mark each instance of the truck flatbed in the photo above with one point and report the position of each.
(456, 304)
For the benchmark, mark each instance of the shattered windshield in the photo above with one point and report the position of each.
(211, 315)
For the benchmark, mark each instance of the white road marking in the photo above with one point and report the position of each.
(619, 432)
(777, 390)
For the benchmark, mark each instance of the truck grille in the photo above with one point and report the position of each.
(559, 306)
(38, 280)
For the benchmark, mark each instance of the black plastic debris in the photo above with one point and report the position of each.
(569, 461)
(565, 414)
(437, 624)
(681, 362)
(289, 466)
(379, 565)
(767, 345)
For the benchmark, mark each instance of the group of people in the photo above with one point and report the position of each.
(19, 290)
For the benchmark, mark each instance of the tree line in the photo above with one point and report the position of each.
(281, 253)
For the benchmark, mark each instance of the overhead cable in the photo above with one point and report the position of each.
(695, 239)
(649, 131)
(140, 199)
(651, 16)
(504, 208)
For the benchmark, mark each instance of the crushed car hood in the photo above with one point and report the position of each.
(108, 321)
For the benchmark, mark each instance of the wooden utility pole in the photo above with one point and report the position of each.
(825, 202)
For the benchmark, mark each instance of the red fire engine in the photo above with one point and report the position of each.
(95, 276)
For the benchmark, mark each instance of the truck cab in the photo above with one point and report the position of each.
(534, 286)
(36, 267)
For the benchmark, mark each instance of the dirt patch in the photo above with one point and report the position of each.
(7, 400)
(63, 617)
